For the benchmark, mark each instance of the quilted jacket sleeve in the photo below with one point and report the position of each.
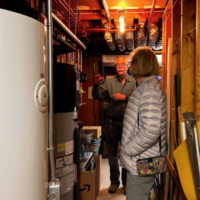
(149, 131)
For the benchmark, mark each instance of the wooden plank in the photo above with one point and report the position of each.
(173, 139)
(197, 65)
(180, 127)
(175, 177)
(167, 8)
(176, 27)
(169, 71)
(187, 55)
(163, 56)
(175, 194)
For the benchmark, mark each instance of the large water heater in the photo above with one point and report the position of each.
(23, 103)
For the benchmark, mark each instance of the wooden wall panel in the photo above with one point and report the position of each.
(187, 55)
(166, 33)
(85, 113)
(163, 83)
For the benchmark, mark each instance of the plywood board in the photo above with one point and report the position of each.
(183, 163)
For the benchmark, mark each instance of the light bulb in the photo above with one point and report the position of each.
(121, 19)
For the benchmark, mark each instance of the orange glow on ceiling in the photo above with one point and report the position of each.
(96, 4)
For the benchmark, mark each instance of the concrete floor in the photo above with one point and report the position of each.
(105, 183)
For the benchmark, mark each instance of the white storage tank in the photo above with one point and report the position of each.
(23, 103)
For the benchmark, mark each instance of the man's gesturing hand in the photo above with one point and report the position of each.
(98, 79)
(118, 97)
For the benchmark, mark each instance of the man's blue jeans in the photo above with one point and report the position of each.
(113, 133)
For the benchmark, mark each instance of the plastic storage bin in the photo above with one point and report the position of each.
(94, 146)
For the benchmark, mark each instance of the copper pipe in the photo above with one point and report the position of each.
(103, 30)
(59, 7)
(76, 18)
(151, 16)
(69, 17)
(73, 14)
(63, 7)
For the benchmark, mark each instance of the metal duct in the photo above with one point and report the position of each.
(105, 5)
(153, 34)
(158, 45)
(141, 35)
(130, 40)
(109, 39)
(119, 37)
(61, 26)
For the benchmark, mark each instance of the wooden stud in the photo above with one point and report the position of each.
(173, 139)
(187, 55)
(197, 65)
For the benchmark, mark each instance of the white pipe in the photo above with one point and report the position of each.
(197, 147)
(105, 5)
(63, 28)
(184, 135)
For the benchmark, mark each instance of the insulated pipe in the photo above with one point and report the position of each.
(105, 5)
(63, 42)
(50, 86)
(61, 26)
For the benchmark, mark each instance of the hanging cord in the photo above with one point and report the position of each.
(171, 10)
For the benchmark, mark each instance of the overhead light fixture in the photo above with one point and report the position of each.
(130, 40)
(119, 37)
(121, 19)
(109, 39)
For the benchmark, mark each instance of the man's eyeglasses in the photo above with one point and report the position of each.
(121, 65)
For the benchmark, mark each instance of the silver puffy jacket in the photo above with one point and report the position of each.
(147, 102)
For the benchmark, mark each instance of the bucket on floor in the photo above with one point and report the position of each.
(94, 146)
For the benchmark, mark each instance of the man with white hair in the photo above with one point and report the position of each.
(116, 91)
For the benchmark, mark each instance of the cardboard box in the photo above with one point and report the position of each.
(90, 181)
(93, 129)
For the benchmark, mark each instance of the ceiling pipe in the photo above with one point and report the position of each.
(105, 5)
(76, 18)
(150, 19)
(103, 30)
(66, 9)
(61, 26)
(59, 39)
